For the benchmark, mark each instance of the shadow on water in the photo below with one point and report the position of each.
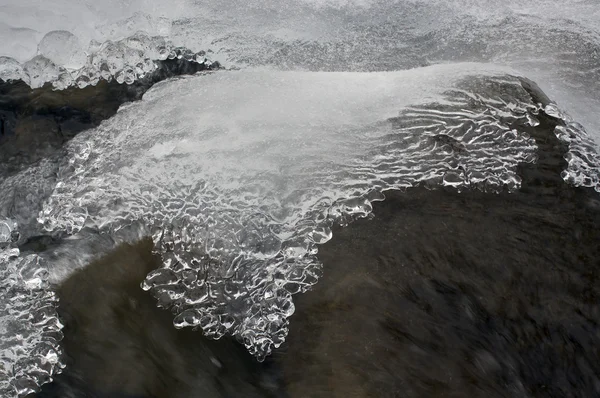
(442, 294)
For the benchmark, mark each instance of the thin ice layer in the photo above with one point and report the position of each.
(30, 331)
(240, 174)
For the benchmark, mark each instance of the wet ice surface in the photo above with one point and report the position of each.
(238, 188)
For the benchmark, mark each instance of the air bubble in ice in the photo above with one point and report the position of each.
(453, 178)
(552, 110)
(321, 234)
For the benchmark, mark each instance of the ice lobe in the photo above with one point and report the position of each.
(40, 70)
(62, 48)
(240, 175)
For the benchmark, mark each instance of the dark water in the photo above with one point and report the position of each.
(442, 294)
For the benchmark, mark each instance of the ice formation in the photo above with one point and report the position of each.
(240, 174)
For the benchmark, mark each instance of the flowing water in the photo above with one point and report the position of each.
(241, 172)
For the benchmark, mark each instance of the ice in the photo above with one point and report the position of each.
(239, 175)
(62, 48)
(553, 44)
(8, 229)
(10, 69)
(583, 156)
(40, 70)
(30, 331)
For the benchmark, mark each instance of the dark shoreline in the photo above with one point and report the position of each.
(441, 294)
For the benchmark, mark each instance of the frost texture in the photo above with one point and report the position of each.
(583, 169)
(239, 175)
